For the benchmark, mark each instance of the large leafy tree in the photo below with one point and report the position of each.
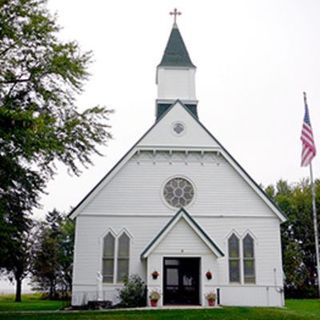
(52, 255)
(298, 245)
(40, 78)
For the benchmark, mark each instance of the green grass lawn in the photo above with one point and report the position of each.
(296, 309)
(29, 302)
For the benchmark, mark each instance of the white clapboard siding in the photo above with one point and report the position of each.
(137, 189)
(131, 201)
(182, 238)
(162, 135)
(143, 229)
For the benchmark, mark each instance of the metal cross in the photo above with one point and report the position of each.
(175, 13)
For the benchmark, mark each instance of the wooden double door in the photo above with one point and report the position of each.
(181, 281)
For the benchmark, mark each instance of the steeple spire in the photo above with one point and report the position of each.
(176, 74)
(176, 53)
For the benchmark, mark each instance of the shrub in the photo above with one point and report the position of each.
(133, 293)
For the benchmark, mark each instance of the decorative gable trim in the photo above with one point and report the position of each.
(92, 193)
(277, 211)
(182, 214)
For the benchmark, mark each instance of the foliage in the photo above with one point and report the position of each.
(17, 260)
(133, 293)
(298, 235)
(40, 78)
(211, 296)
(154, 295)
(52, 255)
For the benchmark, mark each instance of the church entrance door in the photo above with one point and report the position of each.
(181, 281)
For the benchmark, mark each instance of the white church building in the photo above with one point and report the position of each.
(179, 211)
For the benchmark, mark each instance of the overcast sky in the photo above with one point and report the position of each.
(254, 59)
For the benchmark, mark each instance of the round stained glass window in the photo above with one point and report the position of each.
(178, 192)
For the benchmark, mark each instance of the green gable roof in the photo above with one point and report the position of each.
(176, 53)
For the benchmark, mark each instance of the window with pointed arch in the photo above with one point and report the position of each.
(123, 257)
(234, 258)
(248, 260)
(115, 258)
(108, 258)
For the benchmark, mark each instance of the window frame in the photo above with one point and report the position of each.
(253, 259)
(238, 259)
(107, 257)
(242, 258)
(127, 258)
(115, 280)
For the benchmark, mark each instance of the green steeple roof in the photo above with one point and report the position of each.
(176, 53)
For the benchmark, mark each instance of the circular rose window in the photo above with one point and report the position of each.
(178, 192)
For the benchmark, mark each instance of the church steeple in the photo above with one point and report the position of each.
(175, 74)
(176, 53)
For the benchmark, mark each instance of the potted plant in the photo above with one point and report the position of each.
(155, 274)
(211, 297)
(209, 275)
(154, 297)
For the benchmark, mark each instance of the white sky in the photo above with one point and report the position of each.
(253, 58)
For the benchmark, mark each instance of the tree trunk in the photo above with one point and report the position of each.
(18, 289)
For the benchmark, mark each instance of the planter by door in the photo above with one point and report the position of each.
(211, 303)
(154, 303)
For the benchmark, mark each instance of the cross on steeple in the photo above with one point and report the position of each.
(175, 13)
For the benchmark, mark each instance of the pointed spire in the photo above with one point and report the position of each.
(176, 53)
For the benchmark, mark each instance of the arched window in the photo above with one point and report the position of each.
(234, 258)
(248, 260)
(123, 257)
(108, 258)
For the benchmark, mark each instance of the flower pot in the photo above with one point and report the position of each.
(154, 303)
(211, 302)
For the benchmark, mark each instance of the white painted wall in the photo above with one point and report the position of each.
(162, 135)
(182, 241)
(176, 83)
(219, 190)
(224, 203)
(265, 230)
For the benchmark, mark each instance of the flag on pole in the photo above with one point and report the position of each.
(308, 146)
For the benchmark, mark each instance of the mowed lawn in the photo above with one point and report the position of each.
(30, 302)
(33, 308)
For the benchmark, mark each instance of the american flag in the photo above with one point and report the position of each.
(308, 146)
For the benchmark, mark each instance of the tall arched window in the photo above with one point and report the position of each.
(248, 260)
(123, 257)
(234, 258)
(108, 258)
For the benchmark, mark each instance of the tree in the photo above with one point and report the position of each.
(52, 255)
(298, 248)
(18, 261)
(40, 77)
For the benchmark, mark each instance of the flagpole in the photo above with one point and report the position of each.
(315, 225)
